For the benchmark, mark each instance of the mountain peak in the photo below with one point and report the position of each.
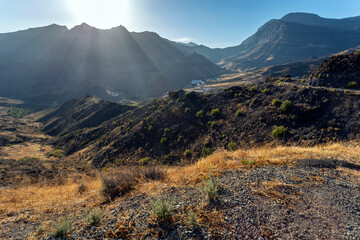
(83, 27)
(300, 16)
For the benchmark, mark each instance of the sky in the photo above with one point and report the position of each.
(215, 23)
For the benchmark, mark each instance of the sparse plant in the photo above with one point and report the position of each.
(200, 114)
(163, 140)
(279, 80)
(192, 218)
(275, 102)
(253, 89)
(179, 139)
(279, 131)
(265, 91)
(150, 128)
(57, 153)
(151, 173)
(215, 112)
(62, 229)
(206, 151)
(211, 187)
(117, 185)
(93, 217)
(232, 146)
(212, 124)
(82, 188)
(206, 144)
(238, 113)
(187, 110)
(352, 84)
(162, 208)
(143, 161)
(303, 81)
(166, 130)
(187, 153)
(286, 106)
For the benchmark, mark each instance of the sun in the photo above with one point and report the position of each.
(101, 13)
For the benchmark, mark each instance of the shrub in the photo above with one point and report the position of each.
(352, 84)
(57, 153)
(279, 131)
(200, 114)
(192, 218)
(117, 185)
(166, 130)
(212, 124)
(179, 139)
(187, 153)
(93, 217)
(232, 146)
(215, 112)
(211, 187)
(285, 106)
(206, 143)
(280, 80)
(162, 208)
(82, 188)
(150, 173)
(61, 229)
(253, 89)
(206, 151)
(143, 161)
(303, 81)
(275, 102)
(238, 113)
(163, 140)
(187, 110)
(265, 91)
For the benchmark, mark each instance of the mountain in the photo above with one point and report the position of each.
(54, 63)
(295, 37)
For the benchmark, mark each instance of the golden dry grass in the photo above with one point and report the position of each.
(51, 198)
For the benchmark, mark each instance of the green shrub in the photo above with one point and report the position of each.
(238, 113)
(352, 84)
(192, 218)
(143, 161)
(162, 208)
(303, 81)
(200, 114)
(187, 110)
(93, 217)
(286, 106)
(179, 139)
(117, 185)
(212, 124)
(279, 81)
(18, 112)
(215, 112)
(275, 102)
(211, 187)
(206, 151)
(166, 130)
(187, 153)
(265, 91)
(163, 140)
(57, 153)
(232, 146)
(62, 229)
(206, 143)
(253, 89)
(319, 75)
(279, 131)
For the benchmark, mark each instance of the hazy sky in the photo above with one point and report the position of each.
(216, 23)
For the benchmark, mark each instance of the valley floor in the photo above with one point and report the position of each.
(264, 193)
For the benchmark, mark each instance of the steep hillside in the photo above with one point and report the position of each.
(240, 116)
(340, 71)
(86, 112)
(54, 64)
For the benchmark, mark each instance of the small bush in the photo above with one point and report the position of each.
(279, 81)
(163, 140)
(117, 185)
(238, 113)
(82, 188)
(187, 153)
(62, 229)
(206, 143)
(93, 217)
(215, 112)
(144, 161)
(303, 81)
(253, 89)
(275, 102)
(200, 114)
(192, 218)
(206, 151)
(286, 106)
(57, 153)
(212, 124)
(265, 91)
(211, 187)
(166, 130)
(232, 146)
(162, 208)
(187, 110)
(151, 173)
(279, 131)
(352, 84)
(179, 139)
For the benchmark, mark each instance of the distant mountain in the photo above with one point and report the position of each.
(295, 37)
(54, 64)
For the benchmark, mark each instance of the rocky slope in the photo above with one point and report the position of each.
(338, 72)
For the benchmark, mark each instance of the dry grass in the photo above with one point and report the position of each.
(52, 198)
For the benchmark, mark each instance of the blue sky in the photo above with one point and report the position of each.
(216, 23)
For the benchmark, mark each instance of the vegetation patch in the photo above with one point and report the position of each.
(279, 131)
